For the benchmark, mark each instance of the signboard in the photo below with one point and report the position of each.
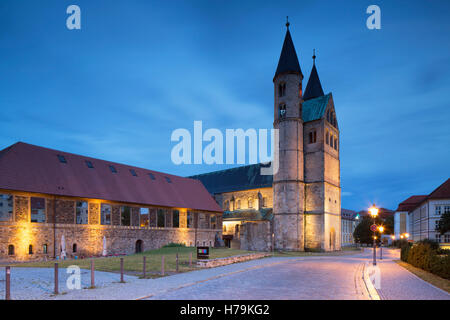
(373, 227)
(202, 252)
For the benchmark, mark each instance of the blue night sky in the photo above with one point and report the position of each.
(137, 70)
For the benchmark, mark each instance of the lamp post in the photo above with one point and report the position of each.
(374, 213)
(381, 229)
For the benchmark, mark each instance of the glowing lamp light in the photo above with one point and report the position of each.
(406, 235)
(381, 229)
(393, 237)
(373, 211)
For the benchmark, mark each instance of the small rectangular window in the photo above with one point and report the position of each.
(89, 164)
(176, 219)
(37, 208)
(152, 176)
(62, 159)
(105, 214)
(125, 216)
(82, 212)
(161, 218)
(6, 207)
(133, 172)
(113, 169)
(190, 219)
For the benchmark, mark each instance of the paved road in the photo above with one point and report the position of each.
(327, 277)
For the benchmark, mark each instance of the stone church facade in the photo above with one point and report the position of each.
(298, 208)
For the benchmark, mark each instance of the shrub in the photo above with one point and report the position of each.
(404, 252)
(426, 256)
(433, 244)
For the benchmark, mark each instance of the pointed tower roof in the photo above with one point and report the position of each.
(288, 62)
(313, 88)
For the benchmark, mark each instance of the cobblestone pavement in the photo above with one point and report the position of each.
(326, 277)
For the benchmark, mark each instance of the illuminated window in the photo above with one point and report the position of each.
(37, 209)
(144, 217)
(250, 203)
(238, 204)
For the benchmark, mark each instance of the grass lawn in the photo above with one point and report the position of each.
(133, 264)
(435, 280)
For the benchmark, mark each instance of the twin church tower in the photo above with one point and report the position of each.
(306, 188)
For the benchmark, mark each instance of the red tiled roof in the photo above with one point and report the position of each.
(441, 192)
(25, 167)
(410, 203)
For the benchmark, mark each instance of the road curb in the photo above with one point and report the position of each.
(373, 293)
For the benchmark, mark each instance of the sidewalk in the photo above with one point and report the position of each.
(397, 283)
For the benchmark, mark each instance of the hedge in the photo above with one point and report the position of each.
(426, 255)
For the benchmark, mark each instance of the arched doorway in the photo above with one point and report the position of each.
(139, 246)
(332, 239)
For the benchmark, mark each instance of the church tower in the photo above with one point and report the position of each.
(288, 182)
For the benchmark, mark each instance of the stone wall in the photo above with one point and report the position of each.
(211, 263)
(256, 236)
(21, 233)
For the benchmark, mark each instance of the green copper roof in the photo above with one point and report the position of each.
(314, 109)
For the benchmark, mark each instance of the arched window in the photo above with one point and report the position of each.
(10, 250)
(74, 248)
(282, 111)
(335, 143)
(30, 249)
(45, 249)
(331, 140)
(281, 89)
(327, 138)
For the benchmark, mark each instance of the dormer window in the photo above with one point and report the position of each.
(282, 111)
(281, 89)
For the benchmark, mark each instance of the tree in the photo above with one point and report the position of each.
(444, 223)
(362, 233)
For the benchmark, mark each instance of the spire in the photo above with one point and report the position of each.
(313, 88)
(288, 62)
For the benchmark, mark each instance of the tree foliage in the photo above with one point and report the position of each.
(444, 223)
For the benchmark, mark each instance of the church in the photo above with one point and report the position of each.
(299, 207)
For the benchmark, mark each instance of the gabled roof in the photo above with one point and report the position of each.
(235, 179)
(410, 203)
(30, 168)
(314, 87)
(288, 62)
(441, 192)
(314, 109)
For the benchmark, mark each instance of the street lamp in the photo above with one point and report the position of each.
(374, 213)
(381, 229)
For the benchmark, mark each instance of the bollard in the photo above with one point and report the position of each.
(144, 271)
(56, 279)
(176, 258)
(8, 283)
(190, 259)
(92, 274)
(121, 270)
(162, 265)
